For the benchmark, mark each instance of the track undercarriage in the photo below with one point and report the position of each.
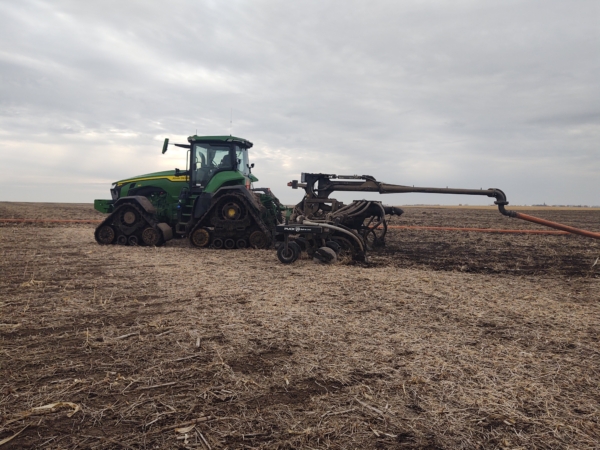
(133, 222)
(233, 221)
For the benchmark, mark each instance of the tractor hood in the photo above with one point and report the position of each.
(165, 175)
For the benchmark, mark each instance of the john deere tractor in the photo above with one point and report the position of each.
(211, 202)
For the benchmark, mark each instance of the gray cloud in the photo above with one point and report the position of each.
(466, 94)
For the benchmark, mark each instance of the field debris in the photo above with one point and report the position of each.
(444, 341)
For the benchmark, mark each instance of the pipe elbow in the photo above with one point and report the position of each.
(501, 201)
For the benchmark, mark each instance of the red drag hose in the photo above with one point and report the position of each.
(48, 221)
(558, 226)
(480, 230)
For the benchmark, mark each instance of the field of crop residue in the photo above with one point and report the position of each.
(446, 340)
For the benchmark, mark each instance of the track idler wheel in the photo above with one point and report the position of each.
(325, 255)
(229, 244)
(217, 243)
(241, 243)
(105, 235)
(151, 237)
(290, 255)
(122, 240)
(133, 240)
(258, 239)
(200, 237)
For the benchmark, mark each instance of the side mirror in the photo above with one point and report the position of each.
(165, 145)
(252, 166)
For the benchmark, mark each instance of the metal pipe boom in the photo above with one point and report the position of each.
(320, 186)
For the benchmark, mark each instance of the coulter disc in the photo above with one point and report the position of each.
(374, 231)
(325, 255)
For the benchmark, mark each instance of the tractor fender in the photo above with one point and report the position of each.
(139, 200)
(166, 231)
(202, 204)
(238, 189)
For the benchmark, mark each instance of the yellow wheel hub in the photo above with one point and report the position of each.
(232, 211)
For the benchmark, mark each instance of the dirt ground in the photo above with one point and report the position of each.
(446, 340)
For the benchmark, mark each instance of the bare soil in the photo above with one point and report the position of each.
(446, 340)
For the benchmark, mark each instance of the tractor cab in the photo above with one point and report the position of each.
(226, 159)
(215, 162)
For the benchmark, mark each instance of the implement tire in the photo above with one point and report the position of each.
(289, 256)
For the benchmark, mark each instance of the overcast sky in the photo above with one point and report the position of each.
(432, 93)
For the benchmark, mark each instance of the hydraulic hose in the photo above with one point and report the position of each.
(353, 208)
(361, 207)
(333, 227)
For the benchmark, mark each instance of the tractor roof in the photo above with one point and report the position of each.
(243, 142)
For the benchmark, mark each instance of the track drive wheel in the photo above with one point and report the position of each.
(258, 239)
(105, 235)
(128, 216)
(233, 211)
(151, 237)
(200, 237)
(289, 256)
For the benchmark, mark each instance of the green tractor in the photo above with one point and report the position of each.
(211, 202)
